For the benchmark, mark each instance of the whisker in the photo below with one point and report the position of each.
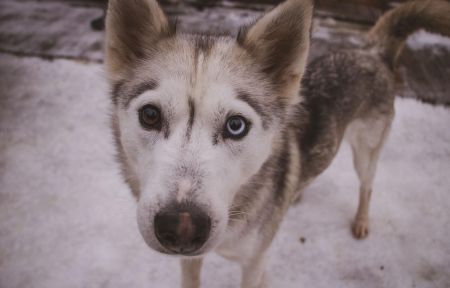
(237, 213)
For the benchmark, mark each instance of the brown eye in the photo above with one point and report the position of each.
(150, 117)
(236, 127)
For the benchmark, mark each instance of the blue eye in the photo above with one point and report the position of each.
(236, 127)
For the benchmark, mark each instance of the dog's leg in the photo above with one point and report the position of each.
(190, 269)
(365, 164)
(366, 138)
(254, 273)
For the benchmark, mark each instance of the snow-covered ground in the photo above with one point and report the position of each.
(68, 220)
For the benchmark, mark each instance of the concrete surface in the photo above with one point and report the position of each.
(61, 29)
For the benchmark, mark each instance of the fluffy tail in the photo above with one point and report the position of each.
(393, 28)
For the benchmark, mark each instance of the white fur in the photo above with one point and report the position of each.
(221, 169)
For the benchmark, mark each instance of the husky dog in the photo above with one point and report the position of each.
(216, 141)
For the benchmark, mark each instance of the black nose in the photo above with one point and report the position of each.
(182, 228)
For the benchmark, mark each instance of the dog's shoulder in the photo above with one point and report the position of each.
(336, 89)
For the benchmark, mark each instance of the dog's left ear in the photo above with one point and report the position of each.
(280, 43)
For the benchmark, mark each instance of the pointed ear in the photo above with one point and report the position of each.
(132, 29)
(280, 41)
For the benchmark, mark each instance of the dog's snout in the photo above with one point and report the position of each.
(181, 229)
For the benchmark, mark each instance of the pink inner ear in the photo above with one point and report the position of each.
(132, 29)
(280, 39)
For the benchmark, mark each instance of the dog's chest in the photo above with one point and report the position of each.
(239, 247)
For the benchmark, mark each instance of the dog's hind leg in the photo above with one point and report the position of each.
(190, 269)
(366, 137)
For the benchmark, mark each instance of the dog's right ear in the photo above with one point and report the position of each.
(132, 29)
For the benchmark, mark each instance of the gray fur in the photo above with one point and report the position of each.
(343, 94)
(339, 88)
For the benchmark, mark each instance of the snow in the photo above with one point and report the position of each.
(423, 39)
(320, 31)
(68, 220)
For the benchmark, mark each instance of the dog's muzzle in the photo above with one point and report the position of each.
(182, 228)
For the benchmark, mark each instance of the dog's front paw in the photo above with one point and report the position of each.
(360, 228)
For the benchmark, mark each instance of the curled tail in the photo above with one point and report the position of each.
(393, 28)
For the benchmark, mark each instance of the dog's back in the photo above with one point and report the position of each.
(352, 92)
(337, 89)
(352, 84)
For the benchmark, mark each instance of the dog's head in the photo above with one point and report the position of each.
(195, 117)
